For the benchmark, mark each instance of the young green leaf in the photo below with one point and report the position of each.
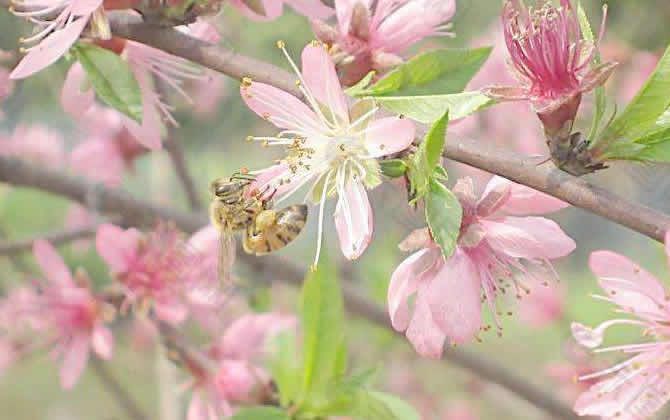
(359, 88)
(428, 157)
(260, 413)
(399, 408)
(645, 111)
(111, 78)
(393, 168)
(323, 323)
(363, 404)
(430, 108)
(434, 72)
(443, 214)
(285, 368)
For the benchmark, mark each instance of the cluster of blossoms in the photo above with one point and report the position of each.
(493, 243)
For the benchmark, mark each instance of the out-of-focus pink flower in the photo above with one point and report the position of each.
(54, 37)
(550, 58)
(155, 270)
(237, 374)
(642, 65)
(69, 315)
(6, 85)
(567, 373)
(36, 144)
(266, 10)
(109, 150)
(460, 411)
(544, 302)
(371, 38)
(78, 217)
(329, 144)
(491, 249)
(639, 386)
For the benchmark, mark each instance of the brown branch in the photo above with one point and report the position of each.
(546, 178)
(56, 238)
(138, 212)
(112, 385)
(176, 153)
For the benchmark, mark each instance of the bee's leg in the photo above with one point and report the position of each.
(255, 242)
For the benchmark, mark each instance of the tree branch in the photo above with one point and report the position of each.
(176, 153)
(117, 390)
(546, 178)
(56, 238)
(138, 212)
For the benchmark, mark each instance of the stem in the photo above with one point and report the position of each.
(138, 212)
(176, 153)
(546, 178)
(117, 390)
(56, 238)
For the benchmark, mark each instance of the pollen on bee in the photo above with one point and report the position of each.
(281, 44)
(246, 81)
(249, 138)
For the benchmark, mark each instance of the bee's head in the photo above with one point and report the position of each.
(230, 190)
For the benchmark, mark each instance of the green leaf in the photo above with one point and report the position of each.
(359, 88)
(393, 168)
(285, 368)
(363, 404)
(443, 214)
(111, 78)
(646, 110)
(428, 157)
(440, 71)
(260, 413)
(599, 103)
(323, 324)
(430, 108)
(401, 410)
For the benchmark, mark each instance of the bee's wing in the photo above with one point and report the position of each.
(226, 258)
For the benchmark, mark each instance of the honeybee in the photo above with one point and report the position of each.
(235, 209)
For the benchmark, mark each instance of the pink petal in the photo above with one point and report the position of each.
(75, 101)
(389, 135)
(197, 408)
(404, 283)
(280, 108)
(170, 310)
(495, 195)
(102, 341)
(667, 246)
(310, 8)
(244, 339)
(418, 238)
(321, 78)
(117, 246)
(629, 285)
(454, 298)
(49, 50)
(353, 220)
(149, 133)
(424, 334)
(344, 10)
(74, 360)
(524, 200)
(85, 7)
(552, 241)
(51, 264)
(99, 160)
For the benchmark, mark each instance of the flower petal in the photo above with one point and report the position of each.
(388, 135)
(51, 264)
(404, 282)
(197, 408)
(495, 195)
(321, 78)
(170, 310)
(49, 50)
(354, 220)
(667, 246)
(99, 160)
(245, 337)
(280, 108)
(116, 246)
(84, 7)
(524, 200)
(454, 298)
(149, 133)
(74, 360)
(102, 341)
(629, 285)
(424, 334)
(310, 8)
(74, 100)
(552, 241)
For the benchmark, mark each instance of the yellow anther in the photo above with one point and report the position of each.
(246, 82)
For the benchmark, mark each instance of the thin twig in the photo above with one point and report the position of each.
(142, 213)
(176, 153)
(546, 178)
(56, 238)
(112, 385)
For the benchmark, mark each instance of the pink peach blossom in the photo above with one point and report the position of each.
(551, 59)
(156, 270)
(36, 144)
(54, 37)
(70, 316)
(639, 386)
(491, 249)
(330, 144)
(371, 38)
(237, 373)
(273, 9)
(544, 304)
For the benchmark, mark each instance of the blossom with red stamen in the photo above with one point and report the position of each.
(371, 37)
(156, 270)
(639, 386)
(332, 145)
(491, 251)
(551, 59)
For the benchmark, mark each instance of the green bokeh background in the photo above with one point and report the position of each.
(215, 147)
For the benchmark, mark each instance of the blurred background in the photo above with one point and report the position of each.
(213, 141)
